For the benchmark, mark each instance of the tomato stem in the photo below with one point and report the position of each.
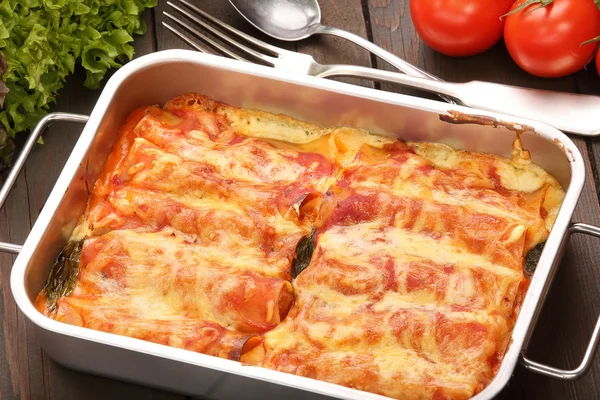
(596, 39)
(542, 3)
(597, 3)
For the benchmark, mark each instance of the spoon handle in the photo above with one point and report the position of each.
(396, 61)
(569, 112)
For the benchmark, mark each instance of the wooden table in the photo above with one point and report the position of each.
(571, 308)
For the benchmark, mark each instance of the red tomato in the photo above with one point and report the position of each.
(546, 42)
(459, 27)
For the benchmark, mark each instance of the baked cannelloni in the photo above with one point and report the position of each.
(332, 253)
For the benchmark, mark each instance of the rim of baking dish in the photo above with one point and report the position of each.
(529, 306)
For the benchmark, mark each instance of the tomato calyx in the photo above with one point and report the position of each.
(542, 3)
(594, 40)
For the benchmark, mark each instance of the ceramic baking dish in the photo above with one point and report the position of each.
(155, 78)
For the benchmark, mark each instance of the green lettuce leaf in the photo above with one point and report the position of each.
(43, 40)
(7, 146)
(7, 150)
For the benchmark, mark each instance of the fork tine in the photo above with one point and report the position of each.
(197, 46)
(216, 32)
(200, 35)
(275, 51)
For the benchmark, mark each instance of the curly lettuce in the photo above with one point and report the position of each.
(43, 40)
(7, 146)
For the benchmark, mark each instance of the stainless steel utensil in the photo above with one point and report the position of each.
(156, 78)
(293, 20)
(19, 163)
(574, 113)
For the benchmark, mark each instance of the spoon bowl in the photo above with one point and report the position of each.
(288, 20)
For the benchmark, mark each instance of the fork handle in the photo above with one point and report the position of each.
(396, 61)
(435, 86)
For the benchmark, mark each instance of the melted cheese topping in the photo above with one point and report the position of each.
(414, 283)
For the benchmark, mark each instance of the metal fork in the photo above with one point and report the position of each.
(570, 112)
(273, 56)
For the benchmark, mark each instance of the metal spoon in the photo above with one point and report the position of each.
(292, 20)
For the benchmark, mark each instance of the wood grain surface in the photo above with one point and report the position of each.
(570, 310)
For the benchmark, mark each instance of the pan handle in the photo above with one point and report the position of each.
(35, 134)
(586, 363)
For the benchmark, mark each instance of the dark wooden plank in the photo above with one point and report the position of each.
(14, 367)
(588, 81)
(28, 372)
(25, 371)
(572, 306)
(570, 311)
